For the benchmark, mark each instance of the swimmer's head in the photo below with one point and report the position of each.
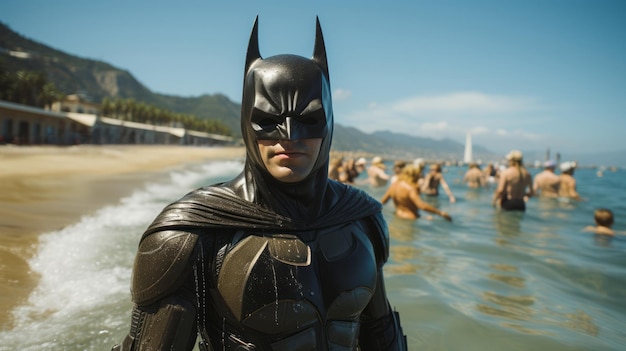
(603, 217)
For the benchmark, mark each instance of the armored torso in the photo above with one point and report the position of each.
(294, 291)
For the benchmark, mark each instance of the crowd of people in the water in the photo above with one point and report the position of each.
(514, 184)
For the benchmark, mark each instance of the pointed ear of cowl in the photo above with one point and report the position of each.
(253, 46)
(319, 53)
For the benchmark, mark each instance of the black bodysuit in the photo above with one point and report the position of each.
(259, 285)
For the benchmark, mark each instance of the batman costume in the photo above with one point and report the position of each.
(260, 264)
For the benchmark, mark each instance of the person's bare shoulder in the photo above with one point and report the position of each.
(599, 230)
(589, 228)
(508, 173)
(404, 186)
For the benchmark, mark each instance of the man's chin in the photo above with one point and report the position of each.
(290, 174)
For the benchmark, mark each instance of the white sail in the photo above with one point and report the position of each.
(467, 157)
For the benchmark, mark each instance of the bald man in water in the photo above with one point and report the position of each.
(547, 183)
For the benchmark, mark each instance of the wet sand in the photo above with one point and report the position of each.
(43, 189)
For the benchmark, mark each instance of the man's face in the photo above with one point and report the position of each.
(289, 161)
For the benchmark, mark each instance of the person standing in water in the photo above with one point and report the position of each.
(546, 182)
(280, 257)
(474, 177)
(433, 180)
(567, 188)
(515, 185)
(405, 194)
(490, 173)
(376, 173)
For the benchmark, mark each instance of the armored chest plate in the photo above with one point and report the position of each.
(280, 283)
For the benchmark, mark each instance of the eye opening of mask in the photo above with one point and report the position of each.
(262, 120)
(313, 118)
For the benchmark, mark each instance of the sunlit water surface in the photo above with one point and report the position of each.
(488, 281)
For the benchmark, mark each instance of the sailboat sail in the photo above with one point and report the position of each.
(467, 157)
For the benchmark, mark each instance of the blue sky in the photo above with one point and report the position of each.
(516, 74)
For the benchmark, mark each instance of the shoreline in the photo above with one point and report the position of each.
(46, 188)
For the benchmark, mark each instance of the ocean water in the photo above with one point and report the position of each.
(489, 280)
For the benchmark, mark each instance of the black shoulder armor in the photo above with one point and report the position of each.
(379, 234)
(163, 262)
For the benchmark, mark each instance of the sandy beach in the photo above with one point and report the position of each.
(43, 189)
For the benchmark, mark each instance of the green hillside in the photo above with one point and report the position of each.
(98, 80)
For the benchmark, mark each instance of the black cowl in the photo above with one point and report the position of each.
(286, 97)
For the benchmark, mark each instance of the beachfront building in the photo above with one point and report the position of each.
(76, 103)
(26, 125)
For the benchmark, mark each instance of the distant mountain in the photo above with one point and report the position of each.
(431, 148)
(401, 146)
(97, 80)
(407, 141)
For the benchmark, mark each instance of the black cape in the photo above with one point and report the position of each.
(218, 206)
